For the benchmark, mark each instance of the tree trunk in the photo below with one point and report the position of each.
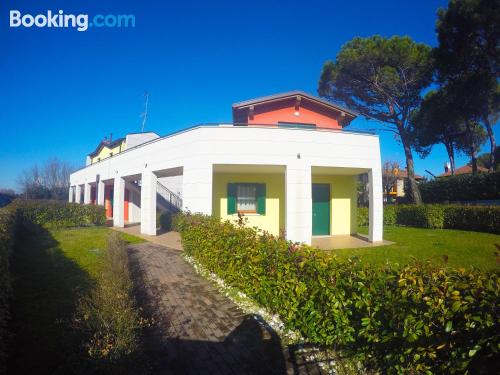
(473, 159)
(472, 146)
(412, 183)
(491, 137)
(451, 156)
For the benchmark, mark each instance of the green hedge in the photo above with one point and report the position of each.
(473, 218)
(7, 226)
(58, 214)
(390, 217)
(423, 216)
(467, 187)
(478, 218)
(411, 320)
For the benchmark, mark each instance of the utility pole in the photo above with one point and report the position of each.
(144, 115)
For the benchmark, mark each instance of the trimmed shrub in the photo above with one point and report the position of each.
(477, 218)
(423, 216)
(59, 214)
(466, 187)
(109, 317)
(434, 216)
(389, 215)
(415, 319)
(7, 232)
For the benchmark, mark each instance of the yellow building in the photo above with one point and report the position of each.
(106, 149)
(110, 147)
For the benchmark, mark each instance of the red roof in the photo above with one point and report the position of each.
(403, 173)
(465, 169)
(259, 109)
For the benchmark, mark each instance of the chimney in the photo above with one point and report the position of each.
(110, 137)
(447, 167)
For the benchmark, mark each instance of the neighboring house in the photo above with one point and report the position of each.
(285, 162)
(465, 169)
(108, 147)
(398, 188)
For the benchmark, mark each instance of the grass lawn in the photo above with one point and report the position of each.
(84, 244)
(50, 270)
(463, 248)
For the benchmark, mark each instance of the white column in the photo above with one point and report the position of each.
(148, 203)
(298, 203)
(376, 210)
(78, 193)
(70, 194)
(118, 202)
(86, 193)
(100, 193)
(197, 188)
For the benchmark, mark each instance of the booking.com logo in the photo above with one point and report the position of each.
(61, 20)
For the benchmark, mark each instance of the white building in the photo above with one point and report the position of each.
(286, 163)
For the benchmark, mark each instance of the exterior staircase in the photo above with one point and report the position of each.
(167, 199)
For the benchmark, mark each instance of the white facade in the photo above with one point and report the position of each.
(192, 154)
(136, 139)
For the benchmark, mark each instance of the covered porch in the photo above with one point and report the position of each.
(319, 204)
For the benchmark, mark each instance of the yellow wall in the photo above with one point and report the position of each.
(106, 151)
(273, 220)
(343, 193)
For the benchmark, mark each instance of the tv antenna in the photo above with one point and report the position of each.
(144, 114)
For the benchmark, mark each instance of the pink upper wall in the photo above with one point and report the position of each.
(283, 111)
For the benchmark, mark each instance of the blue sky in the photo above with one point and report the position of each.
(62, 90)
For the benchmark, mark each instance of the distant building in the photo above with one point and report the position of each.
(398, 188)
(465, 169)
(110, 147)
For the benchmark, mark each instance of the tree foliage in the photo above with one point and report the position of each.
(468, 61)
(437, 121)
(382, 79)
(484, 160)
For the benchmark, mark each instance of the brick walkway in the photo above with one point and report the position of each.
(198, 330)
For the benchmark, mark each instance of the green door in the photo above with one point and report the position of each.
(321, 209)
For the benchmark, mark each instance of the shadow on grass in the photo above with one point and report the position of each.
(46, 288)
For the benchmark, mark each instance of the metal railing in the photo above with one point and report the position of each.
(168, 197)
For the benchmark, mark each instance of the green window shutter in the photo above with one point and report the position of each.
(231, 199)
(261, 199)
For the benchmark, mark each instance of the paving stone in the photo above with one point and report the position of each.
(198, 330)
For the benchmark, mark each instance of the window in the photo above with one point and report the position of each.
(246, 198)
(299, 125)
